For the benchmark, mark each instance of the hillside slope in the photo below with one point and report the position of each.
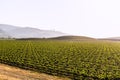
(69, 37)
(111, 39)
(27, 32)
(3, 34)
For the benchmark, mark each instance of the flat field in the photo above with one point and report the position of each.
(81, 60)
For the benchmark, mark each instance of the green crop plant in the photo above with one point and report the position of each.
(77, 60)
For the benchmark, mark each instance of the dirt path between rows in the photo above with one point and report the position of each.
(13, 73)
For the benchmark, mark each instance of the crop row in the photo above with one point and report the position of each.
(76, 60)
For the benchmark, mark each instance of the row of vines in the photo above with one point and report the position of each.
(85, 60)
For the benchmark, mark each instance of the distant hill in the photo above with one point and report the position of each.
(76, 38)
(26, 32)
(111, 39)
(6, 27)
(3, 34)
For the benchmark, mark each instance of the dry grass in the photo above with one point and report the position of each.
(13, 73)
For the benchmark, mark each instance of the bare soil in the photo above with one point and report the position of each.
(14, 73)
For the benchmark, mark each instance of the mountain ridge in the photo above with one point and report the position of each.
(28, 32)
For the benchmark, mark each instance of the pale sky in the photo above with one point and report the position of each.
(93, 18)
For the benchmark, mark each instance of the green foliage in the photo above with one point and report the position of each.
(85, 60)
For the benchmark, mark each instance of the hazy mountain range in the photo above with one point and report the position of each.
(9, 31)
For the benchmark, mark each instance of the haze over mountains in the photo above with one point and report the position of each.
(9, 31)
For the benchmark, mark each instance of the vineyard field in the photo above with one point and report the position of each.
(78, 60)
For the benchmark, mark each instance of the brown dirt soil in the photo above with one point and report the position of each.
(13, 73)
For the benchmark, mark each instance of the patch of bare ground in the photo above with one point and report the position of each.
(13, 73)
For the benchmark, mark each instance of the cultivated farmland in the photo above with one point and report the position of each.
(77, 60)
